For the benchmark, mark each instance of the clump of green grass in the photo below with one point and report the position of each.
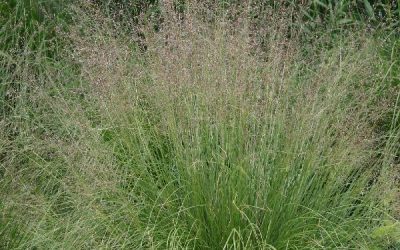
(202, 143)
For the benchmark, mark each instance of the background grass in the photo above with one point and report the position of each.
(205, 125)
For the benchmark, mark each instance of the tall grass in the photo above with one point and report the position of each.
(211, 139)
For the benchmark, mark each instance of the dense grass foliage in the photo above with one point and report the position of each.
(28, 42)
(199, 125)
